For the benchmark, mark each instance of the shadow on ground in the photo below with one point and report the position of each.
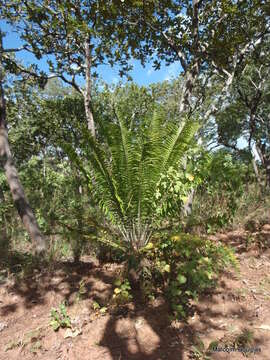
(133, 332)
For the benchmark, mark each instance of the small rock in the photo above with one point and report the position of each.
(263, 327)
(71, 333)
(266, 228)
(139, 323)
(3, 326)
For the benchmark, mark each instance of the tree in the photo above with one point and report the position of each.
(76, 35)
(247, 113)
(222, 184)
(206, 37)
(7, 162)
(38, 122)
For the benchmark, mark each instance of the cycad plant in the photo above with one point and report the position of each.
(124, 171)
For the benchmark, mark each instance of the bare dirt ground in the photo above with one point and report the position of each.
(239, 305)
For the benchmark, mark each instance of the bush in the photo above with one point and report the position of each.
(217, 197)
(253, 209)
(60, 318)
(122, 294)
(184, 266)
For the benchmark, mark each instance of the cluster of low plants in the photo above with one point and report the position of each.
(198, 350)
(242, 342)
(122, 291)
(60, 318)
(183, 266)
(82, 291)
(32, 339)
(99, 308)
(22, 265)
(252, 212)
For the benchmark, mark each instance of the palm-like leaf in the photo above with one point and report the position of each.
(125, 171)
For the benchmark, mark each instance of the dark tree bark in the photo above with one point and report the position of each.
(16, 188)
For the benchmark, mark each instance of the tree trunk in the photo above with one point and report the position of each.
(265, 160)
(4, 240)
(87, 92)
(17, 191)
(187, 209)
(267, 169)
(256, 172)
(78, 244)
(18, 195)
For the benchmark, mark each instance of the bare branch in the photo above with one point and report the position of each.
(175, 49)
(24, 47)
(71, 82)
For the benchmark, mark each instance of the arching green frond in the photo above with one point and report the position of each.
(126, 168)
(165, 149)
(101, 181)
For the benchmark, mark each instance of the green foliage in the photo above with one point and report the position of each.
(32, 339)
(101, 309)
(185, 266)
(173, 190)
(198, 350)
(49, 28)
(108, 253)
(217, 197)
(243, 341)
(22, 265)
(96, 305)
(246, 112)
(127, 171)
(245, 338)
(59, 248)
(122, 293)
(60, 318)
(82, 291)
(252, 212)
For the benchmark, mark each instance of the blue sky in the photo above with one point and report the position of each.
(141, 75)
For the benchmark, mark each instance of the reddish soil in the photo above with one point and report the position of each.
(136, 331)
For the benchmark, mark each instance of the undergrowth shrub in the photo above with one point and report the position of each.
(253, 209)
(184, 266)
(106, 254)
(122, 292)
(217, 197)
(60, 318)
